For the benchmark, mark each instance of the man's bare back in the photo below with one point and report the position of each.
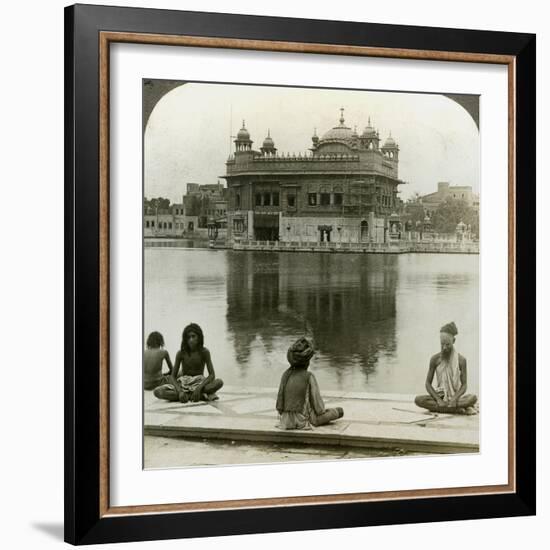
(152, 365)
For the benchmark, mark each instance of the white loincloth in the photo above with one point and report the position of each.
(190, 383)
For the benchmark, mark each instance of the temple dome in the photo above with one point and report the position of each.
(339, 132)
(390, 143)
(369, 130)
(243, 134)
(268, 142)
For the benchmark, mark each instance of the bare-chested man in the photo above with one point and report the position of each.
(153, 358)
(191, 384)
(449, 368)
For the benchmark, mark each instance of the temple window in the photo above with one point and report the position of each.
(325, 199)
(267, 199)
(276, 198)
(258, 199)
(312, 199)
(291, 200)
(338, 199)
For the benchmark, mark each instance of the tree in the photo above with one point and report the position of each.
(413, 210)
(451, 212)
(162, 203)
(151, 205)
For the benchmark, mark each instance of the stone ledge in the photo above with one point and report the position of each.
(372, 421)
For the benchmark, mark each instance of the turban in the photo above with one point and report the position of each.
(300, 353)
(449, 328)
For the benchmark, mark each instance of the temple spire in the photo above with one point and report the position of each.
(341, 116)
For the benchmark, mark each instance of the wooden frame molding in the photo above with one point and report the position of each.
(105, 40)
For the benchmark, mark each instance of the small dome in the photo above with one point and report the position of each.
(390, 142)
(369, 130)
(243, 134)
(268, 141)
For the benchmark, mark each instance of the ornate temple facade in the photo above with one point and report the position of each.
(343, 189)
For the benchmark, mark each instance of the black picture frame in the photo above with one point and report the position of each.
(84, 523)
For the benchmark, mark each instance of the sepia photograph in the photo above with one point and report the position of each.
(286, 306)
(311, 274)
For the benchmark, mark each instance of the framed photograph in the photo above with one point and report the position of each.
(300, 274)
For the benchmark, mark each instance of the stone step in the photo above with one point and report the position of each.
(383, 421)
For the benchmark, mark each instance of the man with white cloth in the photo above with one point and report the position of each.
(449, 367)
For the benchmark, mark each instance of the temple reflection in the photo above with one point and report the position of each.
(347, 305)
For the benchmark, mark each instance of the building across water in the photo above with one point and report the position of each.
(446, 191)
(344, 189)
(208, 202)
(168, 222)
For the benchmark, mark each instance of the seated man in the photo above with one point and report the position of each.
(191, 384)
(449, 367)
(299, 401)
(153, 357)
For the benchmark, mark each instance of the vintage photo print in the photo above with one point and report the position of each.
(311, 274)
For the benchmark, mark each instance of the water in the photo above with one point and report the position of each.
(374, 319)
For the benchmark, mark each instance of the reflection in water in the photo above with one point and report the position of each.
(345, 304)
(374, 319)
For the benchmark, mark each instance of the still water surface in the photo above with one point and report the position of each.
(374, 319)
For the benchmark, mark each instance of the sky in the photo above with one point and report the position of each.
(188, 135)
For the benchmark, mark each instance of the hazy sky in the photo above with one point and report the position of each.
(187, 138)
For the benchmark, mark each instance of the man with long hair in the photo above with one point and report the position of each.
(191, 384)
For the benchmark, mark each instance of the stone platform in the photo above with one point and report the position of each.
(383, 421)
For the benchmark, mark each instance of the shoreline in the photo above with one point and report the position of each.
(409, 247)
